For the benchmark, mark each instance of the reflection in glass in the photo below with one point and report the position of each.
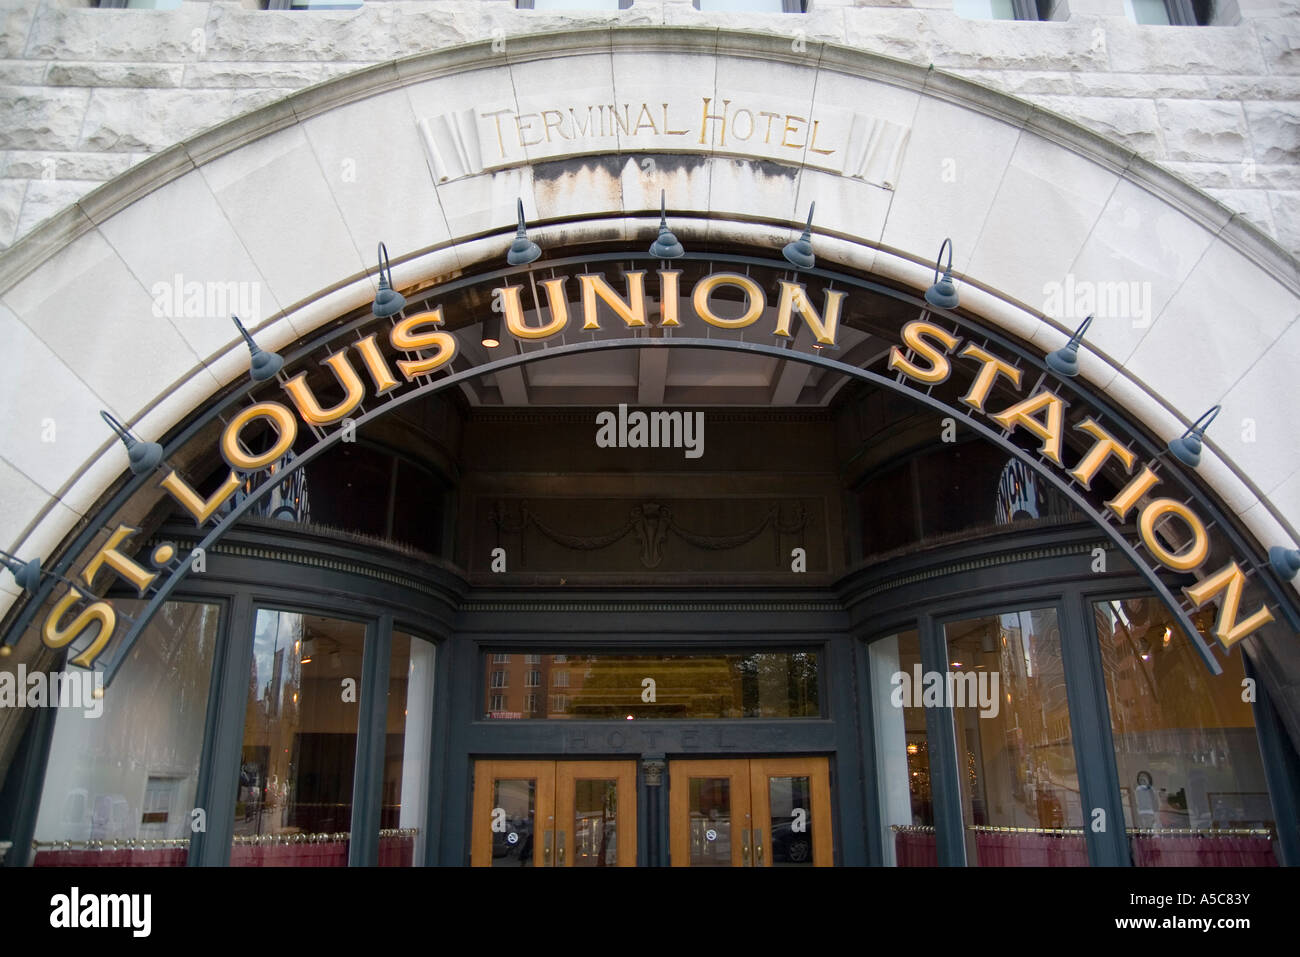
(1185, 743)
(620, 687)
(595, 823)
(406, 763)
(127, 765)
(791, 824)
(1014, 744)
(902, 753)
(300, 741)
(513, 809)
(710, 822)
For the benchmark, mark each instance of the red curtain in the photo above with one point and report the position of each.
(110, 857)
(308, 854)
(916, 849)
(1012, 849)
(396, 851)
(1202, 850)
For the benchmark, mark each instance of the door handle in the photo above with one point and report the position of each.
(744, 847)
(758, 847)
(560, 855)
(547, 839)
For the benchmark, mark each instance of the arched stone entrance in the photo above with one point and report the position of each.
(1048, 222)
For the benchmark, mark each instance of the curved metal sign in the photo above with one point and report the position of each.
(1171, 528)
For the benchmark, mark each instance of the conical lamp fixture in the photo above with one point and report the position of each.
(523, 250)
(143, 456)
(800, 252)
(666, 246)
(1065, 360)
(26, 574)
(264, 365)
(1285, 561)
(1187, 447)
(943, 293)
(388, 301)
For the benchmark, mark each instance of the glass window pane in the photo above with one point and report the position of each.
(1185, 746)
(294, 803)
(406, 766)
(126, 766)
(710, 822)
(615, 686)
(514, 804)
(902, 753)
(595, 823)
(1006, 683)
(741, 6)
(575, 4)
(1148, 12)
(984, 9)
(790, 828)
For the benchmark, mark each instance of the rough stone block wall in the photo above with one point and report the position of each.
(86, 93)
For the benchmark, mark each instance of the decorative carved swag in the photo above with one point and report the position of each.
(651, 522)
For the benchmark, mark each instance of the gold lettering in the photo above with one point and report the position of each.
(514, 310)
(56, 637)
(624, 123)
(706, 116)
(991, 367)
(917, 335)
(756, 297)
(1022, 414)
(308, 405)
(520, 124)
(1105, 446)
(812, 144)
(233, 450)
(124, 566)
(1128, 496)
(791, 128)
(595, 287)
(380, 374)
(1194, 554)
(1230, 580)
(794, 297)
(649, 120)
(767, 137)
(190, 500)
(667, 130)
(496, 116)
(668, 296)
(405, 337)
(558, 124)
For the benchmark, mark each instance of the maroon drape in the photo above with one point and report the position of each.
(1202, 850)
(122, 857)
(1011, 849)
(916, 849)
(397, 851)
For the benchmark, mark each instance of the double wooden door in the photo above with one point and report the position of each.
(760, 812)
(554, 814)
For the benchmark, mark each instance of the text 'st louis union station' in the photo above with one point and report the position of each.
(600, 440)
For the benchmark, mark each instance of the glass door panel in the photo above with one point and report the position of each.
(791, 807)
(514, 815)
(595, 813)
(709, 806)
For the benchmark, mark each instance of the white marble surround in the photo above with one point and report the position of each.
(293, 197)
